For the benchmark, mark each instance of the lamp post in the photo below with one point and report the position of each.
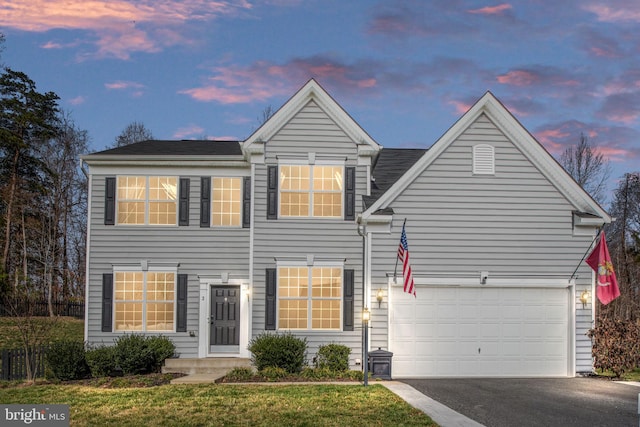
(366, 316)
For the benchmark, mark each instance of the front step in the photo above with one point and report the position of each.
(210, 365)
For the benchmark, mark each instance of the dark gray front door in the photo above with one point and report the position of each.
(225, 319)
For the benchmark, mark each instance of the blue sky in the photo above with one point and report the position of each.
(404, 70)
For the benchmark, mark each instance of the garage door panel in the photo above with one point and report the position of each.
(519, 332)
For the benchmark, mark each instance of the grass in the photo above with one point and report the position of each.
(627, 376)
(63, 328)
(233, 405)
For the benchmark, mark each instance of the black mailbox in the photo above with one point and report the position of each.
(380, 364)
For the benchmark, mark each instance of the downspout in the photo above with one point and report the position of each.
(362, 231)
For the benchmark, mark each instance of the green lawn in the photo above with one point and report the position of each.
(63, 328)
(228, 405)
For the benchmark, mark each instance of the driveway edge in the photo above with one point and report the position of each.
(441, 414)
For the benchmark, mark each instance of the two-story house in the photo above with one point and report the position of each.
(297, 229)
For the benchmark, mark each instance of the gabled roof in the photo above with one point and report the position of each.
(311, 91)
(519, 136)
(173, 148)
(390, 165)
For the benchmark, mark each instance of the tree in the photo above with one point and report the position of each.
(28, 119)
(134, 132)
(623, 237)
(63, 215)
(588, 167)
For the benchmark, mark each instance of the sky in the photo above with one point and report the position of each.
(404, 70)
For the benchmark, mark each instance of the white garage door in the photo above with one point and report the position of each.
(465, 332)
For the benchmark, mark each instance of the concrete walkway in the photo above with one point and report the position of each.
(438, 412)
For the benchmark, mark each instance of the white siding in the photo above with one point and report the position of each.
(311, 130)
(198, 251)
(514, 224)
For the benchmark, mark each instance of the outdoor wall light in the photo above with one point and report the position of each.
(585, 297)
(379, 297)
(366, 315)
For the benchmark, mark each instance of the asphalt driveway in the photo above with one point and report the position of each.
(549, 402)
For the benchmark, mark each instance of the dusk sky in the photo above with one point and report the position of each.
(404, 70)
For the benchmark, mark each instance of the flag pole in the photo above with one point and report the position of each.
(586, 252)
(395, 270)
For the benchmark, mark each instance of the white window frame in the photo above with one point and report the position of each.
(144, 301)
(146, 200)
(311, 164)
(213, 187)
(310, 264)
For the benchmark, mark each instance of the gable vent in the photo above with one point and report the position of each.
(483, 160)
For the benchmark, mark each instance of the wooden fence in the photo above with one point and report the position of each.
(40, 308)
(14, 363)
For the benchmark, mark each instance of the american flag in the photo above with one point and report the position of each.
(403, 255)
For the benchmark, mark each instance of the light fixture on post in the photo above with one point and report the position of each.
(366, 317)
(585, 296)
(379, 296)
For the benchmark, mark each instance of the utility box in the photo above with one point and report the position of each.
(380, 364)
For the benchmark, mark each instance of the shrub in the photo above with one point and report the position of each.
(239, 374)
(278, 350)
(66, 360)
(162, 348)
(334, 357)
(273, 373)
(101, 361)
(616, 345)
(133, 354)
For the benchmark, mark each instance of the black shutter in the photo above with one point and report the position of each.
(246, 202)
(350, 193)
(270, 306)
(272, 192)
(107, 302)
(181, 304)
(183, 206)
(205, 201)
(348, 300)
(110, 200)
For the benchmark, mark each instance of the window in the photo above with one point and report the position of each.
(144, 301)
(147, 200)
(226, 206)
(309, 298)
(314, 191)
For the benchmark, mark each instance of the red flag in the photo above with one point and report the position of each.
(403, 255)
(606, 281)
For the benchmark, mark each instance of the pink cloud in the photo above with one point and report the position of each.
(549, 139)
(622, 13)
(492, 10)
(123, 84)
(518, 78)
(263, 80)
(460, 106)
(188, 132)
(121, 27)
(78, 100)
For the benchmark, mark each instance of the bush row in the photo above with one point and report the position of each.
(279, 354)
(131, 354)
(616, 345)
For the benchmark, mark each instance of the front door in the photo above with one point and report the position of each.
(224, 327)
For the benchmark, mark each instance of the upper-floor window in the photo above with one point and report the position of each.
(309, 297)
(226, 203)
(144, 301)
(311, 191)
(147, 200)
